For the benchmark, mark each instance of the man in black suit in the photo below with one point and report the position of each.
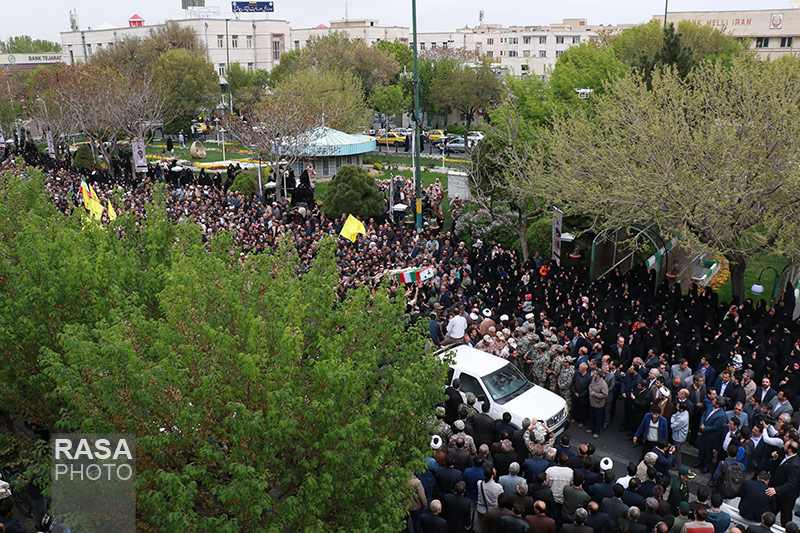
(785, 483)
(432, 522)
(632, 521)
(457, 509)
(447, 476)
(614, 506)
(504, 424)
(483, 426)
(601, 491)
(453, 401)
(755, 501)
(759, 459)
(518, 441)
(767, 521)
(765, 393)
(599, 521)
(460, 455)
(735, 392)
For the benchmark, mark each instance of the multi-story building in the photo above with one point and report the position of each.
(771, 32)
(519, 50)
(367, 30)
(254, 44)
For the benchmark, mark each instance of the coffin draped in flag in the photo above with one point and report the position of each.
(410, 275)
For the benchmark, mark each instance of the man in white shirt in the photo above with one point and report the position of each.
(679, 422)
(559, 477)
(456, 328)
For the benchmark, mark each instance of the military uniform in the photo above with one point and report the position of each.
(540, 363)
(565, 378)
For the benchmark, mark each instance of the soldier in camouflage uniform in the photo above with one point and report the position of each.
(442, 428)
(469, 407)
(555, 368)
(540, 363)
(523, 343)
(565, 378)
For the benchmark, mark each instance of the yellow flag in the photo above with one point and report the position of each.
(86, 196)
(96, 209)
(352, 227)
(112, 215)
(93, 194)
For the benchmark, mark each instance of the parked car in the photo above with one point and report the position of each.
(455, 145)
(474, 136)
(446, 139)
(497, 381)
(405, 132)
(390, 138)
(435, 135)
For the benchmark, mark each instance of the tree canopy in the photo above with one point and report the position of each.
(709, 157)
(465, 89)
(25, 44)
(353, 191)
(193, 84)
(256, 396)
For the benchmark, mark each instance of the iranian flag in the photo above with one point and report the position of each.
(410, 275)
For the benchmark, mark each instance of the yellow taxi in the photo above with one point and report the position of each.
(390, 138)
(435, 135)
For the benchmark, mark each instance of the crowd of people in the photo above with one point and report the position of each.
(673, 369)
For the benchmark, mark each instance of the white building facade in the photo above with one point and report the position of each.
(368, 30)
(772, 32)
(254, 44)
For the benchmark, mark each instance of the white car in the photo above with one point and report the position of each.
(474, 136)
(494, 379)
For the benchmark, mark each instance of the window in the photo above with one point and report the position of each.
(526, 53)
(513, 40)
(433, 45)
(559, 53)
(786, 42)
(559, 39)
(502, 53)
(220, 41)
(490, 41)
(422, 46)
(99, 46)
(250, 67)
(542, 40)
(249, 41)
(505, 382)
(324, 166)
(489, 53)
(234, 41)
(71, 56)
(526, 40)
(576, 40)
(338, 162)
(762, 42)
(89, 49)
(542, 53)
(296, 45)
(470, 384)
(513, 53)
(349, 160)
(444, 44)
(276, 50)
(525, 68)
(221, 69)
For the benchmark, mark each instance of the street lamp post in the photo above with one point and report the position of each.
(666, 3)
(758, 289)
(417, 129)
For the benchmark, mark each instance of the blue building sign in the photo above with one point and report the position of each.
(253, 7)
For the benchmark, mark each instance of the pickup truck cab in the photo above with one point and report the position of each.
(497, 381)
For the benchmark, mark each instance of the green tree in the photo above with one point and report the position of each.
(25, 44)
(675, 53)
(256, 396)
(135, 53)
(466, 90)
(638, 46)
(390, 100)
(402, 52)
(291, 61)
(587, 66)
(708, 158)
(353, 192)
(193, 83)
(373, 66)
(337, 93)
(708, 42)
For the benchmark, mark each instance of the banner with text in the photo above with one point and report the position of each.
(253, 7)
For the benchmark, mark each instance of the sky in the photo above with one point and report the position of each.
(45, 19)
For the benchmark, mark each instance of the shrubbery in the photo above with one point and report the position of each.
(353, 191)
(83, 157)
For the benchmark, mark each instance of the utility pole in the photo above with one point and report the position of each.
(417, 125)
(228, 67)
(666, 3)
